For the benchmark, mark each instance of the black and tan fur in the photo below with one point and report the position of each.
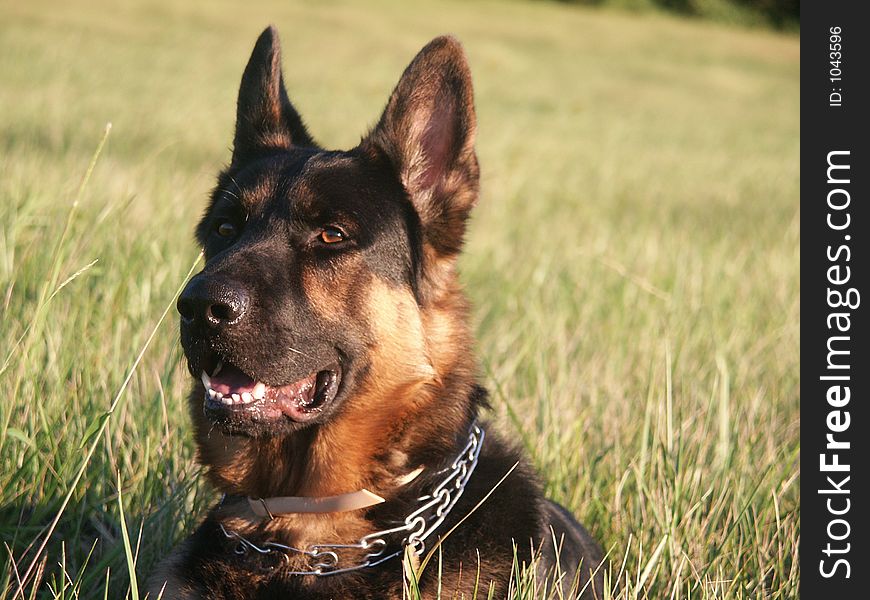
(386, 305)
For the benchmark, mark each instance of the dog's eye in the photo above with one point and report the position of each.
(225, 229)
(332, 235)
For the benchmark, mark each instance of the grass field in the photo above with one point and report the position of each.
(634, 266)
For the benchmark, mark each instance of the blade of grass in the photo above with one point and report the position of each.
(128, 550)
(651, 563)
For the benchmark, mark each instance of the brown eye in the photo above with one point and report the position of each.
(331, 235)
(226, 229)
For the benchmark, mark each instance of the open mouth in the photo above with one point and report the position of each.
(231, 391)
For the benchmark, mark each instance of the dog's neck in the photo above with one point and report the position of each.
(363, 448)
(287, 524)
(343, 456)
(282, 506)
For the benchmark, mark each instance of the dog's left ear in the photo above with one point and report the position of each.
(427, 131)
(265, 118)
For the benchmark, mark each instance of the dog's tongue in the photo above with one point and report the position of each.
(231, 380)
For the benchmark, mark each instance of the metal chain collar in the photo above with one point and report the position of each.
(325, 559)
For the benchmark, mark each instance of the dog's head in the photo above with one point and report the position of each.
(329, 275)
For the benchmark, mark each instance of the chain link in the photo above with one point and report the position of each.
(434, 507)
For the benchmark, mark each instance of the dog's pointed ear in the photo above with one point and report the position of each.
(265, 118)
(427, 131)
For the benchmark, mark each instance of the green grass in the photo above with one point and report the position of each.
(633, 263)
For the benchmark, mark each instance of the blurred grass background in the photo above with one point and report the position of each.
(778, 14)
(633, 263)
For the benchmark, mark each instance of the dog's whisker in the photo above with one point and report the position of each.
(236, 183)
(300, 352)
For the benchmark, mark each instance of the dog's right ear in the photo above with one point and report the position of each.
(427, 131)
(265, 118)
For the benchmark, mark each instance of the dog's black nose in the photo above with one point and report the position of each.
(212, 303)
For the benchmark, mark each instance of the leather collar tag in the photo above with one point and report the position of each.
(272, 507)
(283, 505)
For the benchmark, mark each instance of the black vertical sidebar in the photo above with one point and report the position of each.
(835, 362)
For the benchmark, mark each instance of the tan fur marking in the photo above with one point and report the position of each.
(328, 294)
(342, 456)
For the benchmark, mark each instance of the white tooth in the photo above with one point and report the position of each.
(246, 397)
(260, 391)
(206, 380)
(226, 400)
(218, 368)
(211, 393)
(236, 398)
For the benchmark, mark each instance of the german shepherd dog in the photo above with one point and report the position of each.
(337, 398)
